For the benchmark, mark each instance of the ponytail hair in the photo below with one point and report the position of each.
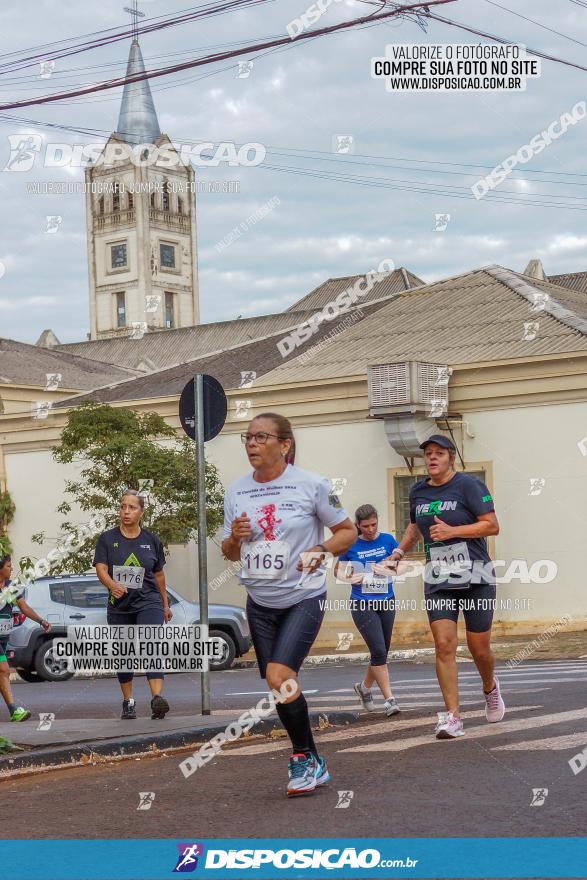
(284, 431)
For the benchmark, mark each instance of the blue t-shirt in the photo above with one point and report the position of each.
(367, 552)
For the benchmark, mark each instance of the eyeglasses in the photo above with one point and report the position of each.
(260, 438)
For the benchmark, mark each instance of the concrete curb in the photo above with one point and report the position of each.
(101, 751)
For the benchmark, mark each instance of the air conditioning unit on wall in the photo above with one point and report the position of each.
(407, 387)
(409, 396)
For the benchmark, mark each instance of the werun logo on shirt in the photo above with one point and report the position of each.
(433, 508)
(132, 560)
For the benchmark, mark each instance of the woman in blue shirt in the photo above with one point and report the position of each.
(372, 602)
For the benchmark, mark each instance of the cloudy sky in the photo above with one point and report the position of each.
(422, 151)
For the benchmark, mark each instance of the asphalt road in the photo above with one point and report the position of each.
(404, 783)
(241, 688)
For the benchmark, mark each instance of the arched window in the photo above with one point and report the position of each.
(166, 196)
(153, 205)
(180, 205)
(101, 205)
(116, 197)
(131, 201)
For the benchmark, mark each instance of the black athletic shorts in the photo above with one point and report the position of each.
(284, 635)
(477, 603)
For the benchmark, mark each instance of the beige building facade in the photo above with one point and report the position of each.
(520, 426)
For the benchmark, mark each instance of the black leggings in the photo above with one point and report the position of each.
(375, 624)
(129, 618)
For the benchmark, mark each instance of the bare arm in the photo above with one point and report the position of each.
(117, 590)
(344, 536)
(32, 614)
(411, 536)
(240, 531)
(161, 586)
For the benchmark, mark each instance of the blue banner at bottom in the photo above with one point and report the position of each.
(376, 857)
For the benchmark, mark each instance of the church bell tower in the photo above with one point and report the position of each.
(141, 223)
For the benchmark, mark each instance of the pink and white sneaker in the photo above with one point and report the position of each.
(494, 704)
(448, 726)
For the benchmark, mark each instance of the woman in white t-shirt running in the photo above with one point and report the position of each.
(274, 522)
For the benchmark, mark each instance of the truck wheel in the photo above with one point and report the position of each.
(47, 666)
(29, 675)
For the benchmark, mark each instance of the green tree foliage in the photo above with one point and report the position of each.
(120, 449)
(6, 516)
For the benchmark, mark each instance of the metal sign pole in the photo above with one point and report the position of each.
(202, 556)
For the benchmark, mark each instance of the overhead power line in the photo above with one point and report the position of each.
(370, 19)
(537, 23)
(104, 38)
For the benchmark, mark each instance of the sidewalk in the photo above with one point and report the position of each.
(93, 741)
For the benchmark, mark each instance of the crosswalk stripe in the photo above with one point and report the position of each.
(571, 741)
(476, 732)
(387, 726)
(347, 698)
(510, 673)
(257, 693)
(432, 701)
(543, 680)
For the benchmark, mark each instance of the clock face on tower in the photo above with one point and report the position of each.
(118, 255)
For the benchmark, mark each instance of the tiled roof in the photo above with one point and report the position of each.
(398, 280)
(572, 280)
(23, 364)
(474, 317)
(571, 297)
(164, 348)
(477, 316)
(259, 355)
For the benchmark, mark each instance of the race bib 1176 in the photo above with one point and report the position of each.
(130, 576)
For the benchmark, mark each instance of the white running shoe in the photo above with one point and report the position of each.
(494, 704)
(365, 696)
(448, 726)
(391, 707)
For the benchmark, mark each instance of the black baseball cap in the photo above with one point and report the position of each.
(440, 440)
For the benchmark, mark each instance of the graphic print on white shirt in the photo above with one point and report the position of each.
(287, 517)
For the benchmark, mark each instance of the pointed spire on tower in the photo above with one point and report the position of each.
(137, 123)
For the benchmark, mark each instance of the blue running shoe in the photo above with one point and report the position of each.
(322, 774)
(303, 770)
